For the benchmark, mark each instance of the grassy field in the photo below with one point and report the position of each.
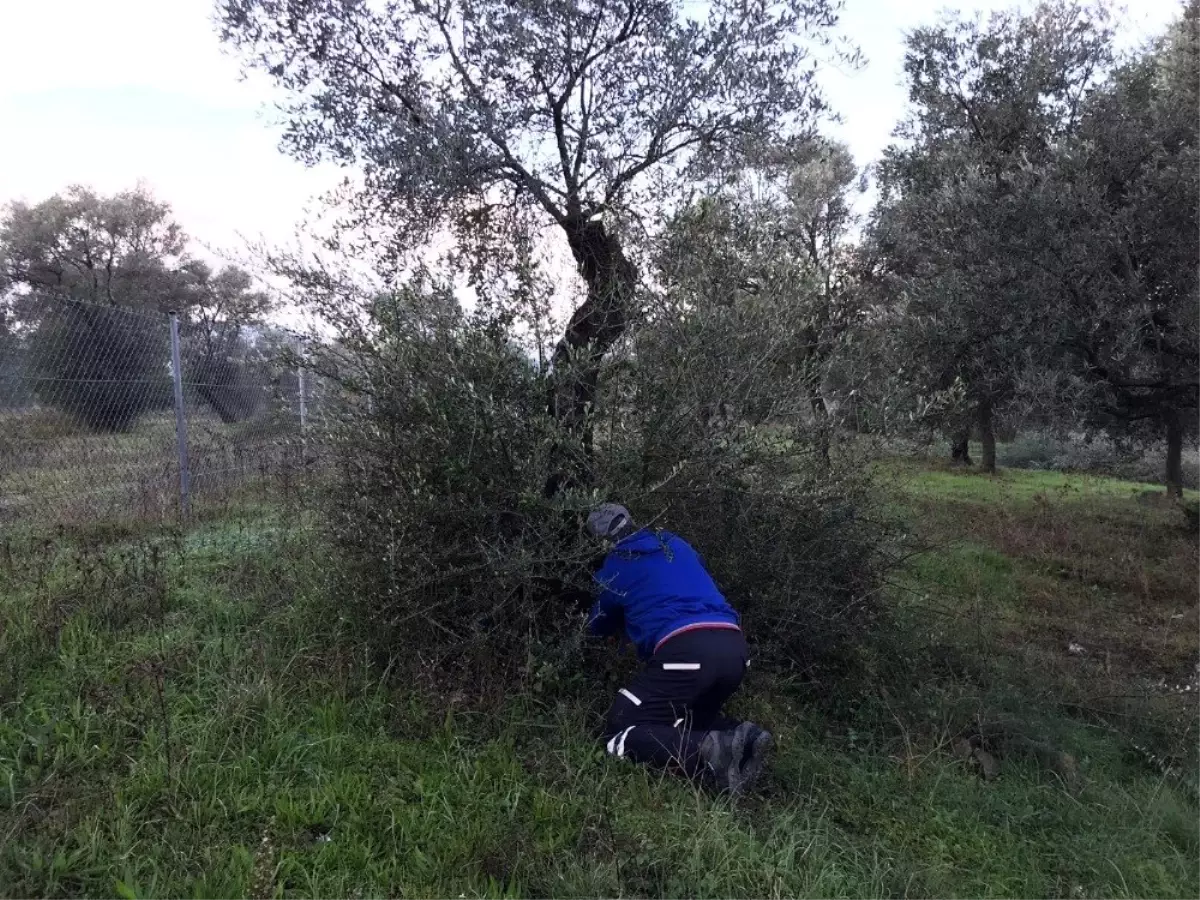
(52, 468)
(191, 716)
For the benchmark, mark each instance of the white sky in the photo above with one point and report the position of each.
(107, 92)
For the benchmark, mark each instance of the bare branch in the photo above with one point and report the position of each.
(534, 185)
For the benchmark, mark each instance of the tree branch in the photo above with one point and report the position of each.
(584, 126)
(577, 75)
(534, 185)
(656, 153)
(560, 137)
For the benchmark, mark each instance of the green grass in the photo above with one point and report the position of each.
(193, 717)
(1009, 486)
(58, 471)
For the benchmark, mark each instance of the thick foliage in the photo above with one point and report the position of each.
(1114, 231)
(989, 103)
(449, 546)
(86, 281)
(712, 433)
(794, 562)
(458, 560)
(228, 371)
(574, 113)
(1094, 455)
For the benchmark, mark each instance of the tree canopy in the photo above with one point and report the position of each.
(990, 104)
(461, 112)
(1114, 238)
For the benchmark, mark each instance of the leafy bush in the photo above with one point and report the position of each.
(796, 563)
(1191, 515)
(232, 389)
(1099, 455)
(449, 546)
(454, 555)
(714, 437)
(1029, 451)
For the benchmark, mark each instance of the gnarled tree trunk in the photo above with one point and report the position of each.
(595, 326)
(987, 435)
(1174, 454)
(960, 448)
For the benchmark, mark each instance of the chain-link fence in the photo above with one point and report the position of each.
(111, 415)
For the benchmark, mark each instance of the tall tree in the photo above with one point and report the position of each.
(119, 250)
(219, 361)
(87, 277)
(582, 110)
(820, 217)
(989, 104)
(1112, 231)
(779, 236)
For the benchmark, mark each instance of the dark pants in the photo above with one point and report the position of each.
(663, 716)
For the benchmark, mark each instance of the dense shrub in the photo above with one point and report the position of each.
(796, 563)
(454, 555)
(713, 435)
(1029, 451)
(1191, 515)
(448, 547)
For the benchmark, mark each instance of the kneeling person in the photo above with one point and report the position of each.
(654, 585)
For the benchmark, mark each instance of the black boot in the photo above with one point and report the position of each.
(756, 746)
(721, 752)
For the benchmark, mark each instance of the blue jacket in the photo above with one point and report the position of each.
(654, 583)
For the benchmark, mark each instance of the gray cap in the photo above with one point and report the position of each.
(609, 520)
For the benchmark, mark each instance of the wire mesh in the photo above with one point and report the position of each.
(90, 425)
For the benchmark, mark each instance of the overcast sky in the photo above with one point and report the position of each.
(107, 92)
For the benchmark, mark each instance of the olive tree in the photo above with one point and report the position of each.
(86, 281)
(778, 235)
(86, 278)
(218, 358)
(990, 103)
(585, 112)
(118, 250)
(1112, 237)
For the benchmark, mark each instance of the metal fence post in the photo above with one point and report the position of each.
(180, 423)
(303, 416)
(303, 403)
